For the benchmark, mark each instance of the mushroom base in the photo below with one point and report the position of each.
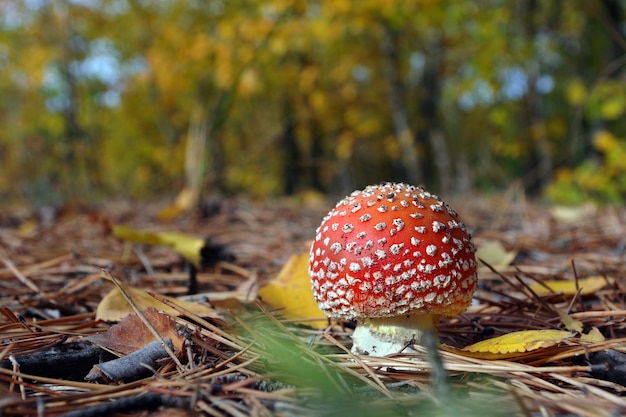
(385, 336)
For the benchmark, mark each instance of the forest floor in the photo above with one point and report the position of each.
(243, 359)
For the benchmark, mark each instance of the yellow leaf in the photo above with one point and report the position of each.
(587, 286)
(137, 236)
(185, 245)
(570, 323)
(605, 141)
(291, 292)
(114, 307)
(28, 228)
(493, 253)
(613, 107)
(576, 92)
(522, 341)
(571, 214)
(185, 201)
(594, 336)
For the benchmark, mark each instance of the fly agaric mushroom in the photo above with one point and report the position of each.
(394, 258)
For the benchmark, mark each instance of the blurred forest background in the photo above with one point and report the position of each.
(135, 99)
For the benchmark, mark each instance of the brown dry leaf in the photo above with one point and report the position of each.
(132, 334)
(568, 288)
(522, 341)
(291, 292)
(114, 306)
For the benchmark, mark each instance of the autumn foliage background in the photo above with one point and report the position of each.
(132, 99)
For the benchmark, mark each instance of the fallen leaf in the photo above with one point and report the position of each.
(132, 334)
(123, 232)
(570, 323)
(28, 229)
(572, 213)
(189, 247)
(522, 341)
(114, 307)
(494, 253)
(185, 200)
(245, 293)
(587, 286)
(594, 336)
(291, 292)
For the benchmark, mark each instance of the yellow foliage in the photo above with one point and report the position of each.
(34, 62)
(605, 141)
(519, 342)
(568, 288)
(185, 245)
(494, 254)
(499, 116)
(278, 46)
(199, 47)
(571, 213)
(570, 323)
(576, 92)
(226, 30)
(223, 72)
(307, 79)
(318, 101)
(349, 92)
(613, 107)
(185, 201)
(248, 83)
(252, 31)
(345, 144)
(391, 146)
(245, 54)
(291, 293)
(114, 306)
(594, 336)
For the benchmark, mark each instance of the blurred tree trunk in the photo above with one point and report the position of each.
(429, 128)
(66, 40)
(464, 179)
(317, 160)
(404, 134)
(289, 149)
(194, 157)
(72, 131)
(540, 164)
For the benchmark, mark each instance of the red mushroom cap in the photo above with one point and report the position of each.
(392, 249)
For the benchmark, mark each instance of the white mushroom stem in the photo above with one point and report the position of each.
(387, 335)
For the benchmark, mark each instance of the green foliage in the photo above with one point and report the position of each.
(327, 388)
(601, 180)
